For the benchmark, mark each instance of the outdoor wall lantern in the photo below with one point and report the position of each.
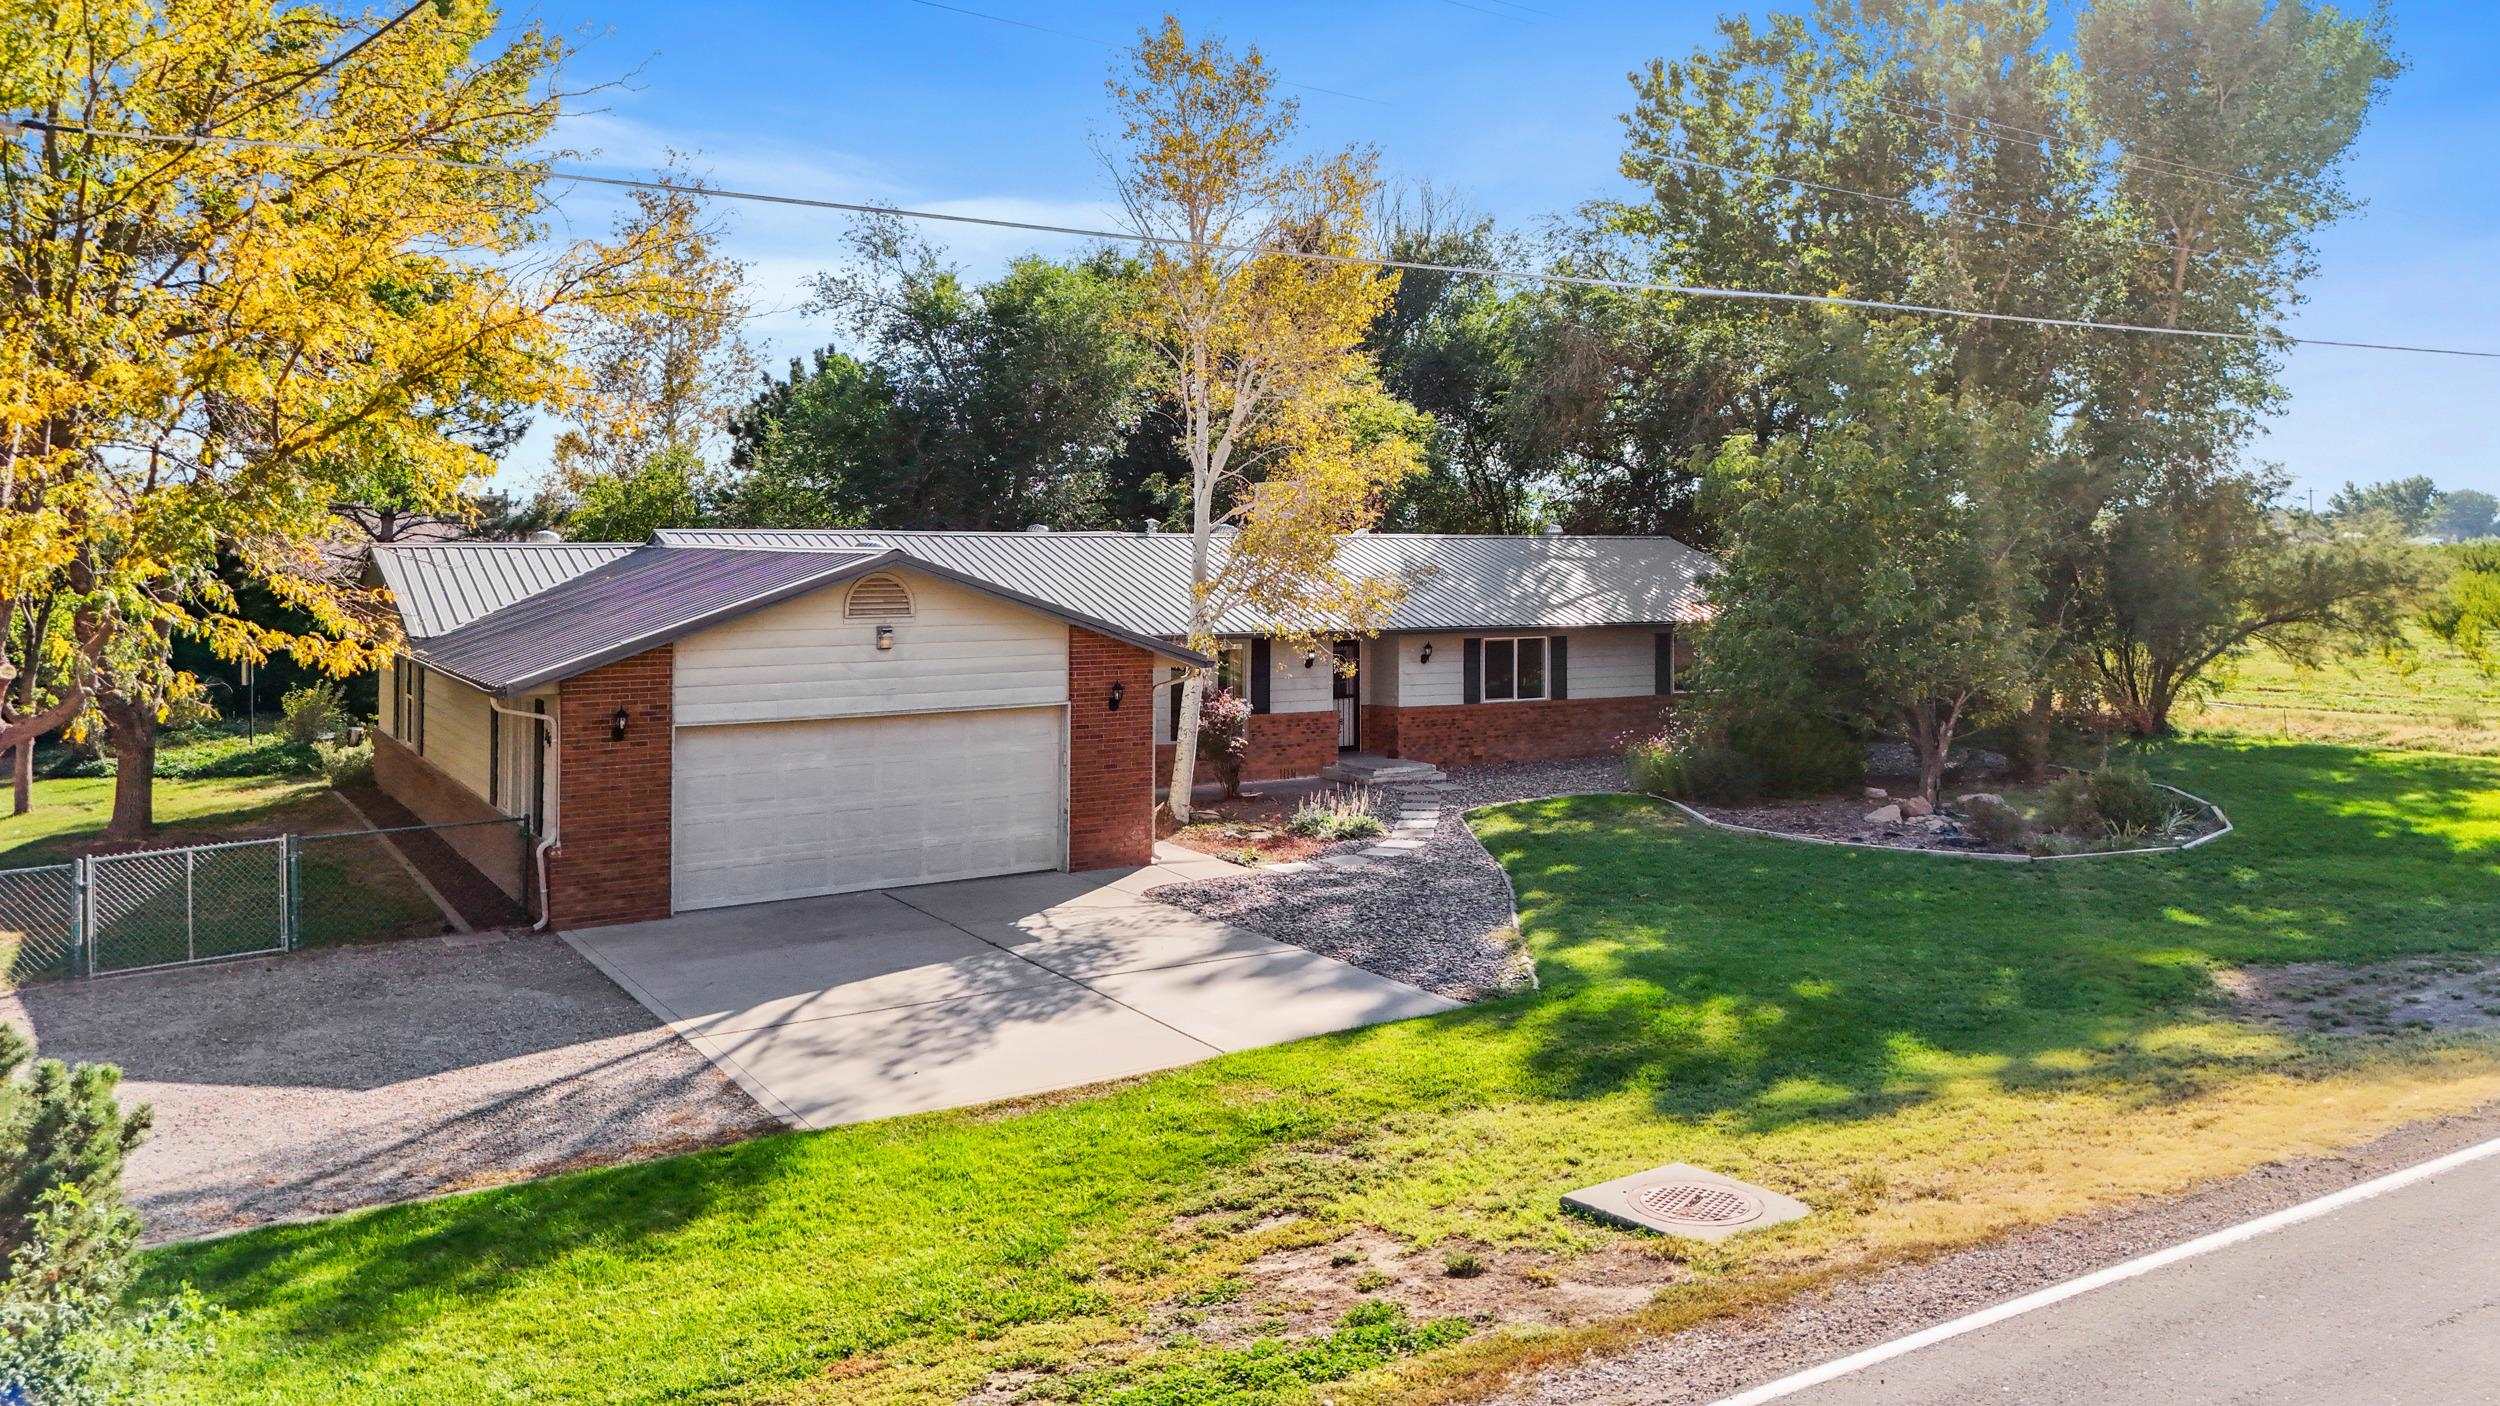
(1426, 656)
(616, 726)
(885, 637)
(1309, 659)
(1119, 690)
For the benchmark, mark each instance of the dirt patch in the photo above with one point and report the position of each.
(1248, 829)
(1304, 1291)
(2416, 994)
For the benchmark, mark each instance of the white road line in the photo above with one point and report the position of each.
(2117, 1273)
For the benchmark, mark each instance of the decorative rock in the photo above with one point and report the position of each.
(1912, 807)
(1984, 798)
(1884, 815)
(1878, 793)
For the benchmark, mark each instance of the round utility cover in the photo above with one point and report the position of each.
(1697, 1203)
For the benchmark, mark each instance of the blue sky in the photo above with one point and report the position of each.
(893, 101)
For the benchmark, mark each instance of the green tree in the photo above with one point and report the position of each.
(1881, 564)
(2465, 514)
(68, 1334)
(2184, 586)
(996, 405)
(2465, 610)
(630, 504)
(2412, 503)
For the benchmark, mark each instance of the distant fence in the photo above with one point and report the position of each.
(185, 905)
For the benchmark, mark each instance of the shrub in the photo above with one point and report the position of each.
(347, 766)
(69, 1335)
(1345, 813)
(1801, 755)
(312, 712)
(2002, 826)
(2128, 801)
(1224, 736)
(1688, 769)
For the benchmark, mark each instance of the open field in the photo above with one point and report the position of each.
(2436, 701)
(1929, 1053)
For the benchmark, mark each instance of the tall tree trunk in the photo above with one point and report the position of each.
(1185, 745)
(131, 727)
(22, 764)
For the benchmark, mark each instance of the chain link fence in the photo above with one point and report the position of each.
(106, 914)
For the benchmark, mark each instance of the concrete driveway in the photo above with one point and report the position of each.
(836, 1010)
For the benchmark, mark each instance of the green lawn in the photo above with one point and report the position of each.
(1928, 1051)
(2433, 699)
(215, 784)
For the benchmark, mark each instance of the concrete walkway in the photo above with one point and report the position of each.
(837, 1010)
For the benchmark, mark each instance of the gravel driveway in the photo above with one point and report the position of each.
(329, 1080)
(1438, 917)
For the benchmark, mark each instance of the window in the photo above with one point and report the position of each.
(878, 597)
(412, 707)
(1232, 670)
(1514, 669)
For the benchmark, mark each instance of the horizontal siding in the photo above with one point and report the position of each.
(801, 659)
(456, 720)
(1433, 685)
(1294, 689)
(1612, 663)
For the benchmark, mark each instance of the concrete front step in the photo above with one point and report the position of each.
(1366, 770)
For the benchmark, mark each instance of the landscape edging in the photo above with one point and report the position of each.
(1730, 825)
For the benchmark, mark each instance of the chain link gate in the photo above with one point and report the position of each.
(174, 907)
(39, 911)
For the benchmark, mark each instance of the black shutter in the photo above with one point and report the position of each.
(494, 756)
(1258, 675)
(1557, 667)
(1662, 669)
(1471, 672)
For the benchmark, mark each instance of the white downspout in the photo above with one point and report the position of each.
(546, 842)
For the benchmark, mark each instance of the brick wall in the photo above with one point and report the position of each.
(436, 799)
(611, 860)
(1380, 730)
(1520, 732)
(1111, 756)
(1286, 745)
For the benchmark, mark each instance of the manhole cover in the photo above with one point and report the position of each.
(1677, 1199)
(1697, 1203)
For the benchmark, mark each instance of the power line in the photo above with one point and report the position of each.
(10, 127)
(1984, 124)
(1107, 44)
(1484, 10)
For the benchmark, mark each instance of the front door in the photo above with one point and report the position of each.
(1349, 695)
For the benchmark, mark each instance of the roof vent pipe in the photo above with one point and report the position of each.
(1037, 527)
(1153, 526)
(1551, 529)
(544, 535)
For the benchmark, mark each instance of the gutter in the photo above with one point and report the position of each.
(546, 842)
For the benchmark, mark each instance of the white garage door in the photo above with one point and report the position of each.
(789, 810)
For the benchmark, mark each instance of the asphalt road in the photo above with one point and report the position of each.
(2395, 1299)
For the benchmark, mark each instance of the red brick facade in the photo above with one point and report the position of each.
(1469, 733)
(611, 860)
(434, 798)
(1111, 755)
(1284, 745)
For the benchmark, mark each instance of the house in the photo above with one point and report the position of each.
(724, 717)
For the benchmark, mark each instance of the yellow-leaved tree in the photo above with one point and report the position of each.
(1289, 437)
(204, 345)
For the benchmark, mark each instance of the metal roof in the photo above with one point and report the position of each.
(654, 594)
(442, 586)
(1453, 582)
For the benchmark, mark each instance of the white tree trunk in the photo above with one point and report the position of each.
(1185, 744)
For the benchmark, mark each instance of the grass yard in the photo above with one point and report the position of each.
(2438, 701)
(218, 785)
(1930, 1052)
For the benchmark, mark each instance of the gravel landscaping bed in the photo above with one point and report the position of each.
(1437, 916)
(330, 1080)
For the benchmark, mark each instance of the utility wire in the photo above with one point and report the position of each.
(1985, 124)
(1487, 10)
(1107, 44)
(10, 127)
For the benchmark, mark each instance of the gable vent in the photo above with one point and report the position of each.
(878, 597)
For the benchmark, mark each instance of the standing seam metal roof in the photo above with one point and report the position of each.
(442, 586)
(1141, 580)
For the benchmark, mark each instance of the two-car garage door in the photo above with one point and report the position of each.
(789, 810)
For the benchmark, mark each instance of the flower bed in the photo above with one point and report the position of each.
(2032, 822)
